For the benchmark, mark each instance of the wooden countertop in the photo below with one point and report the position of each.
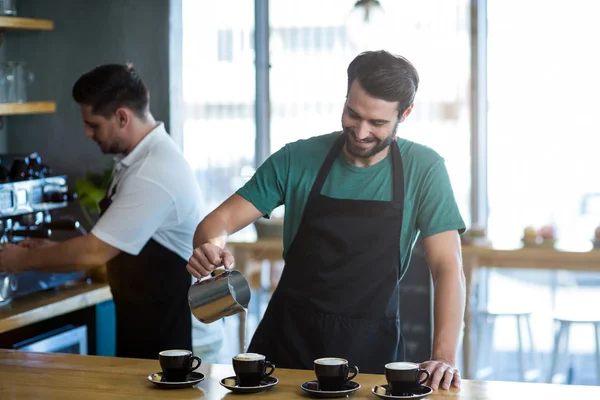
(66, 376)
(45, 305)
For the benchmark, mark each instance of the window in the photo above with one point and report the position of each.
(543, 130)
(311, 49)
(218, 77)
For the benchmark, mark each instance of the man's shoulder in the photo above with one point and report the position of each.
(313, 143)
(417, 155)
(311, 149)
(165, 166)
(164, 148)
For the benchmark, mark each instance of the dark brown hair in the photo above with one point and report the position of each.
(385, 76)
(109, 87)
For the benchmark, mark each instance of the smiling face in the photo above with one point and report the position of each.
(370, 126)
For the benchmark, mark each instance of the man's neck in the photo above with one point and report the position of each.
(141, 130)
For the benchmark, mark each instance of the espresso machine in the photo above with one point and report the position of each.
(30, 196)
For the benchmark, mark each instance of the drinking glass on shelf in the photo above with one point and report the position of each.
(23, 78)
(3, 84)
(8, 8)
(10, 85)
(18, 77)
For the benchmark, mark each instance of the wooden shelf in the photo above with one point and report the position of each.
(38, 107)
(26, 23)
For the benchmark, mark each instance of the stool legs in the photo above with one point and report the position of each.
(481, 322)
(566, 348)
(534, 356)
(561, 344)
(485, 340)
(596, 333)
(557, 337)
(520, 348)
(525, 320)
(530, 333)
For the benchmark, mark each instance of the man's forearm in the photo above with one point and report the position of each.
(449, 306)
(212, 229)
(68, 256)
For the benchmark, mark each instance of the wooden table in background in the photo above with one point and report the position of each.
(266, 249)
(474, 257)
(25, 375)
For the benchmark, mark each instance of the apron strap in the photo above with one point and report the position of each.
(398, 171)
(325, 168)
(107, 199)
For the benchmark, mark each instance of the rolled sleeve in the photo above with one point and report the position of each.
(139, 207)
(438, 211)
(266, 189)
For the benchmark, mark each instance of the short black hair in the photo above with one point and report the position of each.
(111, 86)
(385, 76)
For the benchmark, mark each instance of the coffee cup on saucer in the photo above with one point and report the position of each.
(405, 377)
(177, 364)
(251, 368)
(332, 373)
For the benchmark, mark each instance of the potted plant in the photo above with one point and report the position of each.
(90, 191)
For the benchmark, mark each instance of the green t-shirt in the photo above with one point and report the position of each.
(287, 177)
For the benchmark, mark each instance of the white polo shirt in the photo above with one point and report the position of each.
(157, 197)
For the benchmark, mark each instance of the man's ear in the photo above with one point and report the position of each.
(123, 117)
(406, 112)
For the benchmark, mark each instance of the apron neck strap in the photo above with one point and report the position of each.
(325, 168)
(397, 171)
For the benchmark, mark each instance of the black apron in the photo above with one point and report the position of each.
(150, 295)
(338, 295)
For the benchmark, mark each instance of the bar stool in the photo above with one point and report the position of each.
(486, 321)
(570, 290)
(561, 340)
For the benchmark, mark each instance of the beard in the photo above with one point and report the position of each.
(377, 145)
(109, 148)
(112, 146)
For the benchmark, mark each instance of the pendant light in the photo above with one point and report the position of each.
(365, 24)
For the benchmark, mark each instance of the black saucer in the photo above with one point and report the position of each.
(312, 388)
(424, 391)
(159, 380)
(267, 383)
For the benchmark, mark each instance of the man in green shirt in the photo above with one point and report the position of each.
(355, 203)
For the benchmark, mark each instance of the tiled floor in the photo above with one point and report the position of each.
(576, 293)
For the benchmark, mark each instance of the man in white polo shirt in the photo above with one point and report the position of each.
(148, 218)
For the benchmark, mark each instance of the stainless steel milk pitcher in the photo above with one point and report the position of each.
(220, 296)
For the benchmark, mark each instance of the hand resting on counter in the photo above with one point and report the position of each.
(442, 374)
